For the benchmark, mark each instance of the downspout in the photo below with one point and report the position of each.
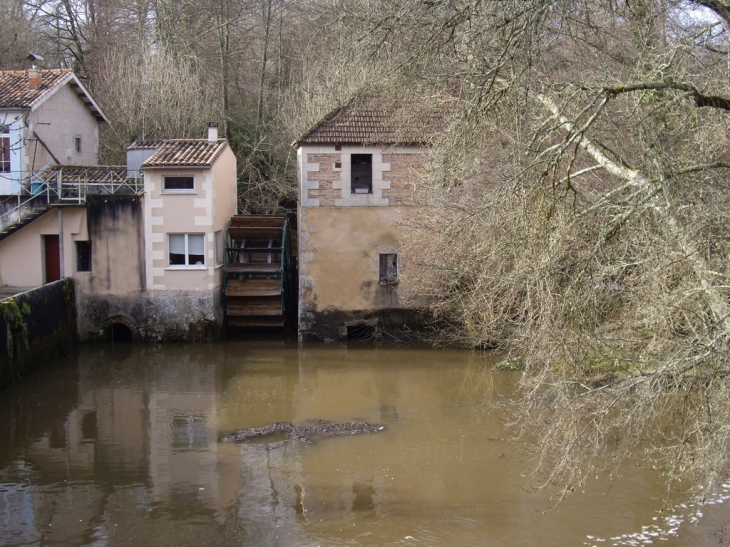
(60, 243)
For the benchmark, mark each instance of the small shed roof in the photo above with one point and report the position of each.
(370, 119)
(16, 93)
(181, 152)
(93, 174)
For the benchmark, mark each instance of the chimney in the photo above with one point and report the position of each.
(212, 132)
(34, 77)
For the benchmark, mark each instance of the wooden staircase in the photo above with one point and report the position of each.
(258, 252)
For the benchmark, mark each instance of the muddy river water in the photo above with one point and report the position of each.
(119, 446)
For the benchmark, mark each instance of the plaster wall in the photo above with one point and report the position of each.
(225, 192)
(115, 227)
(57, 121)
(342, 235)
(179, 213)
(22, 258)
(187, 299)
(207, 209)
(342, 263)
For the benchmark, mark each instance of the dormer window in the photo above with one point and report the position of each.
(178, 185)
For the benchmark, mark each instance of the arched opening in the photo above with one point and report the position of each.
(119, 332)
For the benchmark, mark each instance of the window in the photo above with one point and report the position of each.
(186, 249)
(361, 173)
(388, 269)
(4, 149)
(219, 247)
(77, 144)
(178, 184)
(83, 256)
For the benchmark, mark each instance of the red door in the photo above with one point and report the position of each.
(53, 262)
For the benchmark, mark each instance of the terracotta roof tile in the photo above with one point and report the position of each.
(181, 152)
(92, 174)
(371, 120)
(16, 93)
(146, 144)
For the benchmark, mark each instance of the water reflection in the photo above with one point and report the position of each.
(120, 447)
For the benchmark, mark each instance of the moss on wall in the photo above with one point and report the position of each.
(36, 327)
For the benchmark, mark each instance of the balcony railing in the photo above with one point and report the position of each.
(65, 185)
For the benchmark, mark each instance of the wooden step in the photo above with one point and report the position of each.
(253, 287)
(248, 306)
(258, 220)
(253, 268)
(255, 233)
(255, 322)
(253, 249)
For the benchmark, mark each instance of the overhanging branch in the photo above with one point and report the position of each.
(700, 99)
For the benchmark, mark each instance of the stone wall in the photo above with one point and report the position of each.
(154, 316)
(36, 328)
(401, 177)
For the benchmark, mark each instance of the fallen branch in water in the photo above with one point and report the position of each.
(304, 434)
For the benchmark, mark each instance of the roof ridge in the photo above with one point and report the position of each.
(370, 118)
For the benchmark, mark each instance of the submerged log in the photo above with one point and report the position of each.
(302, 433)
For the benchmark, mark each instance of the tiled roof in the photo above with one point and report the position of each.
(92, 174)
(371, 120)
(16, 93)
(146, 144)
(181, 152)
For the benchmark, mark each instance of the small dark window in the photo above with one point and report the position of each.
(388, 268)
(77, 144)
(361, 180)
(179, 183)
(83, 256)
(4, 153)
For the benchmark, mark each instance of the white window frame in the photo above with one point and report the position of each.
(186, 266)
(5, 134)
(219, 247)
(178, 190)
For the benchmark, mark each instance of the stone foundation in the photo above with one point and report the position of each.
(155, 316)
(386, 324)
(36, 328)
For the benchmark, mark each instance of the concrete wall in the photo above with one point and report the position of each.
(115, 290)
(341, 238)
(36, 327)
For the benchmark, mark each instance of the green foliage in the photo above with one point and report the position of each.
(511, 366)
(15, 317)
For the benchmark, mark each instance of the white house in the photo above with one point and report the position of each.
(47, 117)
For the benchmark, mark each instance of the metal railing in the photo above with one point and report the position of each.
(59, 186)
